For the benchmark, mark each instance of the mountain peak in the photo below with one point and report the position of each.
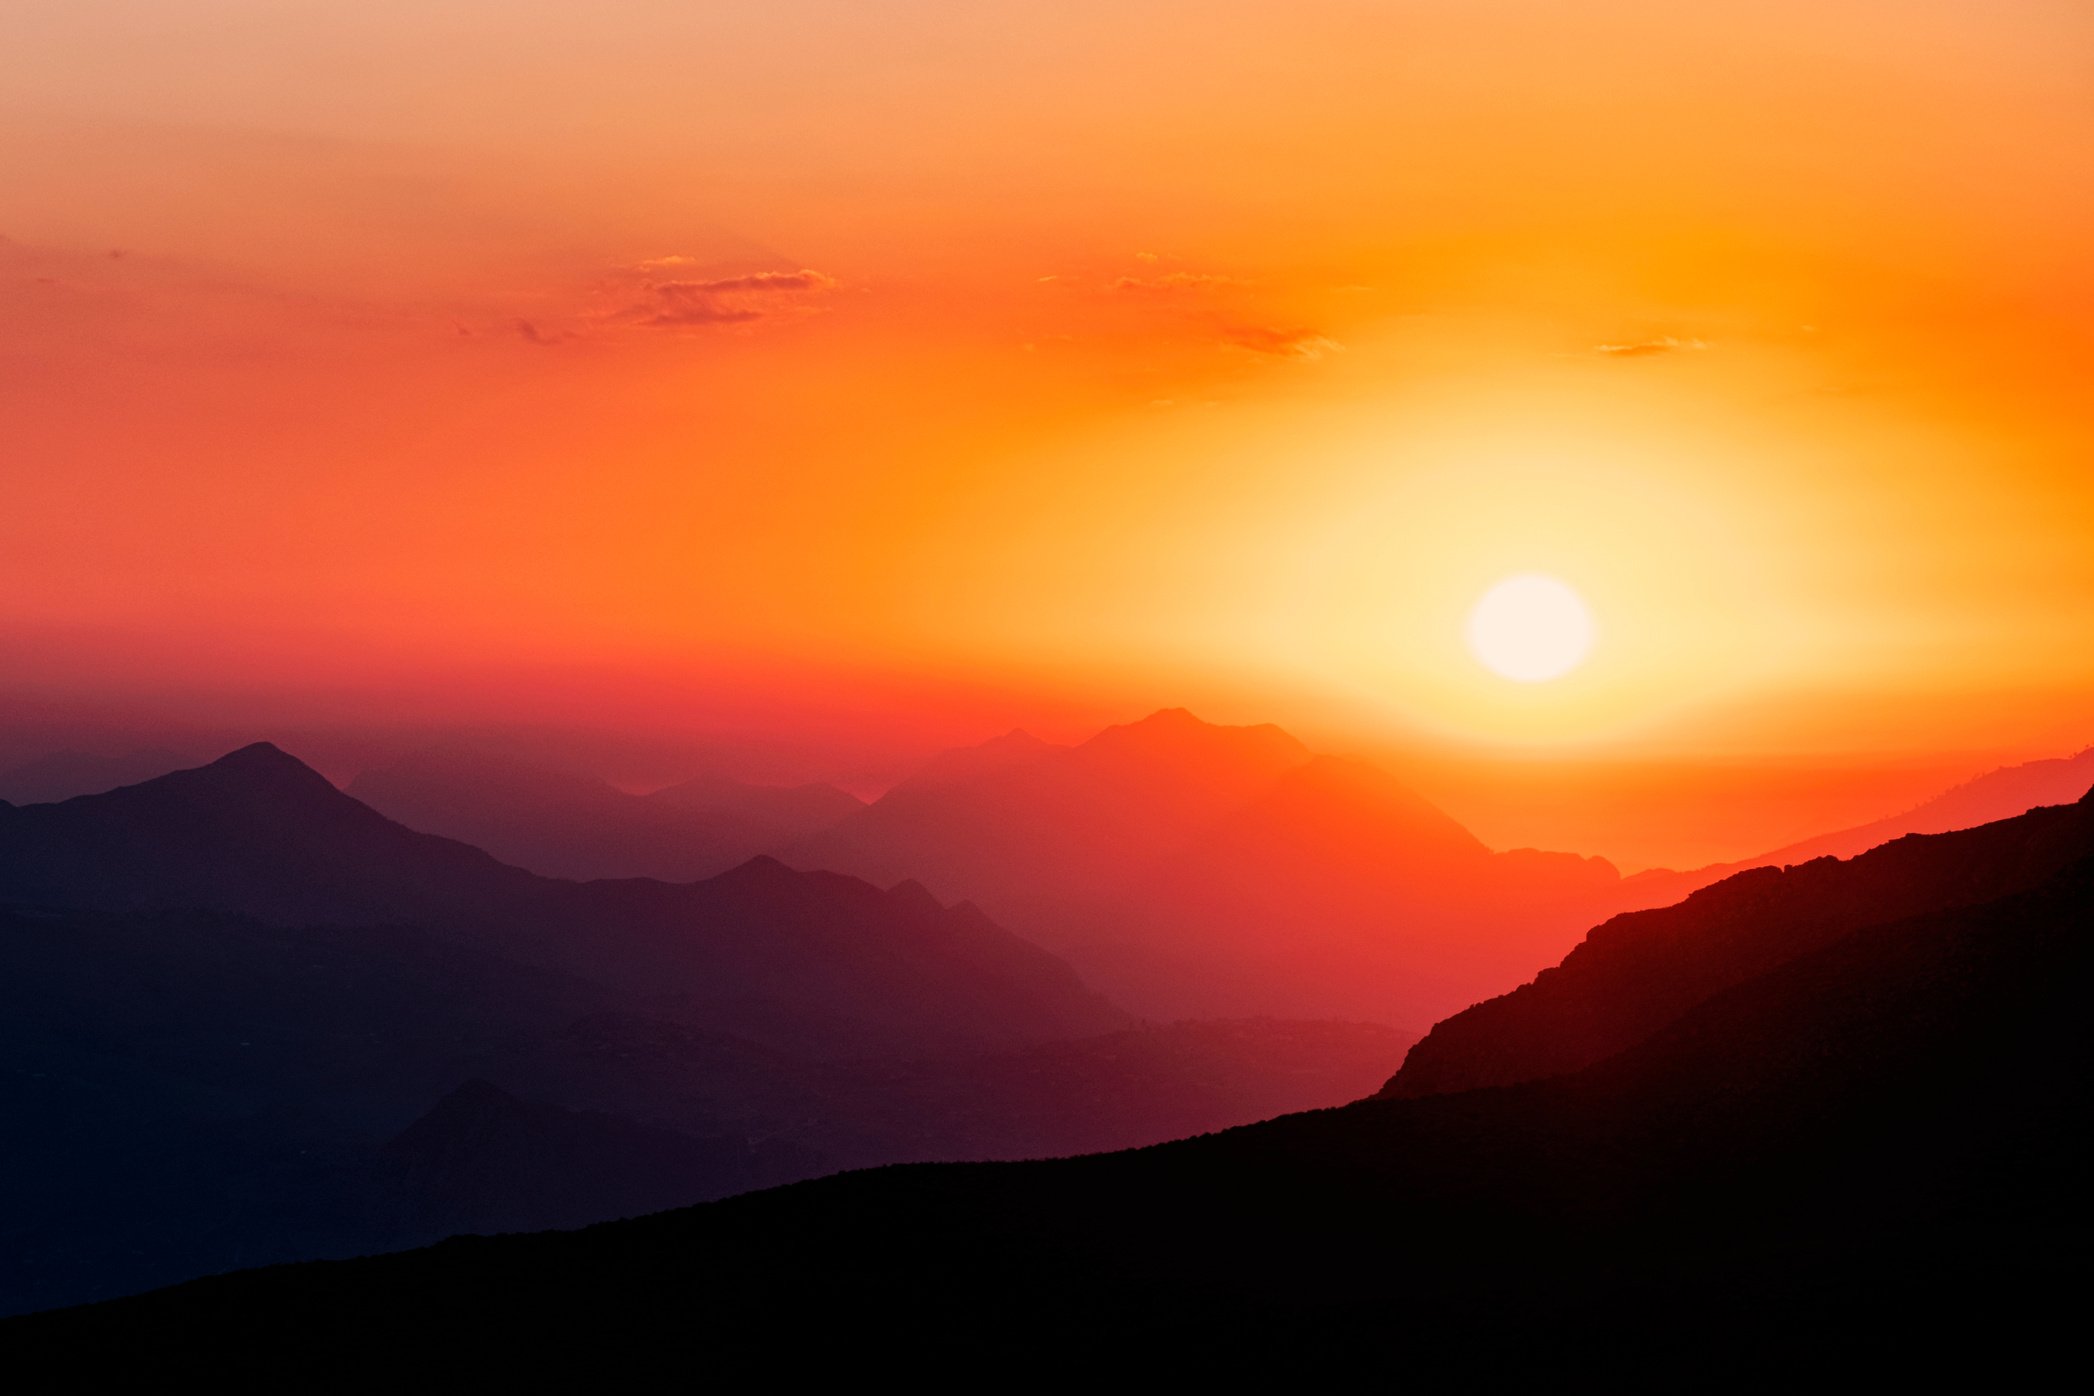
(259, 755)
(1178, 730)
(262, 764)
(915, 896)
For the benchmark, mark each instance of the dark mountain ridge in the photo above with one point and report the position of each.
(1861, 1163)
(1641, 970)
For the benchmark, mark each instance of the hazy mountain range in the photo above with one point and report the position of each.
(1819, 1121)
(1181, 868)
(568, 825)
(250, 1019)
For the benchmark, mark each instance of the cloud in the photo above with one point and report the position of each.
(1306, 345)
(529, 333)
(1644, 348)
(1176, 281)
(725, 300)
(805, 279)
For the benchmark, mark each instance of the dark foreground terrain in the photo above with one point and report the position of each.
(1863, 1163)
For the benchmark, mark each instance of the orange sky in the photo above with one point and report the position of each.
(957, 366)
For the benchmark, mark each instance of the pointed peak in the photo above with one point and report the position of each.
(259, 754)
(913, 894)
(266, 760)
(762, 866)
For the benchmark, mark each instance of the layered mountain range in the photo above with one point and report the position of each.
(248, 1018)
(564, 824)
(1180, 867)
(1823, 1120)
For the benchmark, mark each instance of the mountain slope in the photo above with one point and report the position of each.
(1642, 970)
(1862, 1163)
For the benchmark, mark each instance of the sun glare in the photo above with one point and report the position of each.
(1530, 628)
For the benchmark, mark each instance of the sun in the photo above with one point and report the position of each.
(1530, 628)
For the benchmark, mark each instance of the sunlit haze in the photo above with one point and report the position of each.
(850, 381)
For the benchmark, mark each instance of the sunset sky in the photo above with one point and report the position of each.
(901, 372)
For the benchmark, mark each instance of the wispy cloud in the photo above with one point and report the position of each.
(1306, 345)
(1177, 281)
(680, 302)
(529, 333)
(1644, 348)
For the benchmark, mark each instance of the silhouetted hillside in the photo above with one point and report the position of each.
(1640, 971)
(576, 826)
(1861, 1164)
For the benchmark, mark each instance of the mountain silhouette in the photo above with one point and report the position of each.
(576, 826)
(223, 991)
(1861, 1163)
(1642, 970)
(257, 832)
(815, 961)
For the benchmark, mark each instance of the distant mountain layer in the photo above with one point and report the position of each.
(576, 826)
(1196, 870)
(1862, 1163)
(1998, 794)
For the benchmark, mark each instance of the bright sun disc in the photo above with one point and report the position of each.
(1530, 628)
